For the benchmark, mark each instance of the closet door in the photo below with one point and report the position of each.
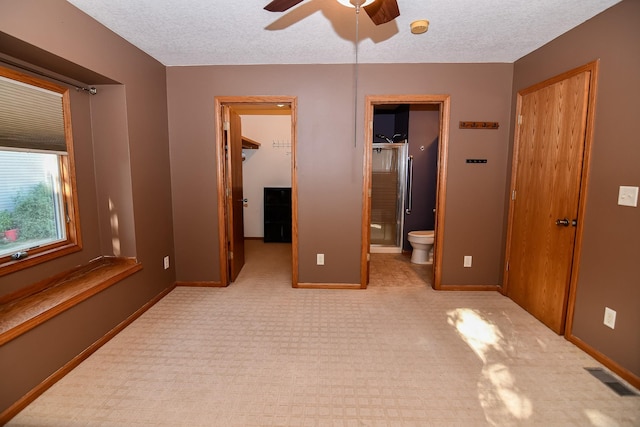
(548, 162)
(235, 198)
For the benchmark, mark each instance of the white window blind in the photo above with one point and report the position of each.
(31, 118)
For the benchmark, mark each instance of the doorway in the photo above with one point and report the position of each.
(232, 200)
(548, 187)
(438, 103)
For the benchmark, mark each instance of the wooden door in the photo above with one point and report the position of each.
(548, 164)
(235, 196)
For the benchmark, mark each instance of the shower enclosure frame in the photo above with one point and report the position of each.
(401, 196)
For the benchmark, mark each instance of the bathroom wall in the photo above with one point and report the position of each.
(424, 127)
(268, 166)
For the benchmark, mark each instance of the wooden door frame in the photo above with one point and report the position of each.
(223, 236)
(592, 68)
(443, 101)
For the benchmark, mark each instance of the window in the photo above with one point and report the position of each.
(38, 209)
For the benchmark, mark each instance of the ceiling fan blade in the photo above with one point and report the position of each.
(281, 5)
(382, 11)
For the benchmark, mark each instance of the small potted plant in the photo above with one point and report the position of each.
(8, 226)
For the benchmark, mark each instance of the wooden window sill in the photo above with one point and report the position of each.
(38, 303)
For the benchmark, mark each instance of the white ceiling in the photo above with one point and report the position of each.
(213, 32)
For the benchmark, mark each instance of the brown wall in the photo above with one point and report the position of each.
(330, 166)
(132, 171)
(609, 272)
(111, 143)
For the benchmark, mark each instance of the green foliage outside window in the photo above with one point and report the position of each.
(34, 213)
(6, 221)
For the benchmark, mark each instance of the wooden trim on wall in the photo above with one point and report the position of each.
(366, 194)
(223, 252)
(592, 67)
(201, 284)
(328, 286)
(441, 190)
(512, 185)
(370, 101)
(469, 288)
(294, 191)
(624, 373)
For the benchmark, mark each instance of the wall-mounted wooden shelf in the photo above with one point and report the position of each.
(250, 143)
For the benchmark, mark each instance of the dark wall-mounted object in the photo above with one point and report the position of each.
(277, 214)
(479, 125)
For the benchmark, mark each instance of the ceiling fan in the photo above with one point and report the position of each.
(380, 11)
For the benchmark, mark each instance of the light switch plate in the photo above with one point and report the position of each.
(628, 196)
(609, 317)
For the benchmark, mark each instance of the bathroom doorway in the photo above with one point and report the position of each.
(391, 206)
(232, 150)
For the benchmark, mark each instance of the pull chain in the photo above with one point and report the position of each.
(355, 82)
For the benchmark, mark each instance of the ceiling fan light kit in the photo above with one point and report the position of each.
(420, 26)
(355, 3)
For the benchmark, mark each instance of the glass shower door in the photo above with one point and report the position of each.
(388, 170)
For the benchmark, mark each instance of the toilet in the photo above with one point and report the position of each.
(422, 244)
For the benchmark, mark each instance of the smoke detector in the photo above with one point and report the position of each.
(420, 26)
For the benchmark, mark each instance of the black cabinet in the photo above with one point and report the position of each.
(277, 214)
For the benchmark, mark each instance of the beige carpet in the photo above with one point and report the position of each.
(260, 353)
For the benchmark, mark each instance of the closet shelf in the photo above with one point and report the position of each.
(250, 143)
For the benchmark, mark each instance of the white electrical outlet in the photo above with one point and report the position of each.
(610, 317)
(166, 262)
(320, 259)
(468, 259)
(628, 196)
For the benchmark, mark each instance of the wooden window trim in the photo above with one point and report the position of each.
(73, 241)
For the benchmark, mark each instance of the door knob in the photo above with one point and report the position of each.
(563, 222)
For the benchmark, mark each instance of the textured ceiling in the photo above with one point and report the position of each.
(212, 32)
